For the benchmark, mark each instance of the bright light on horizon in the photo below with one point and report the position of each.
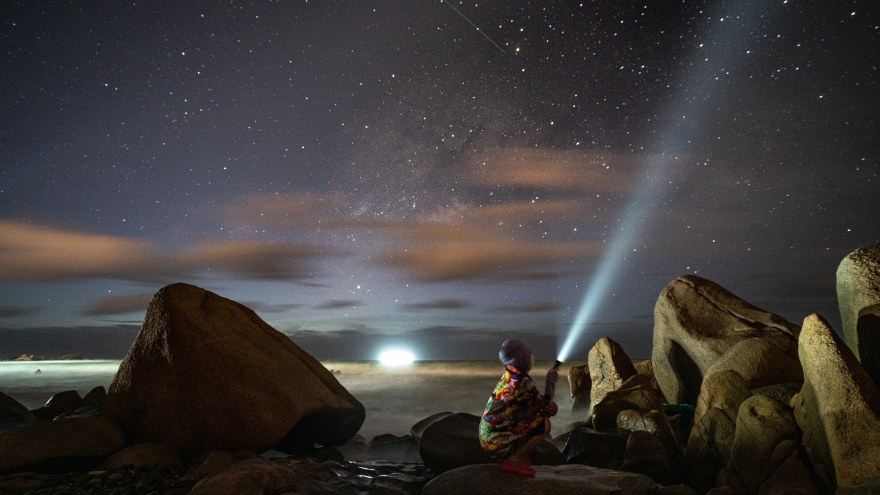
(396, 357)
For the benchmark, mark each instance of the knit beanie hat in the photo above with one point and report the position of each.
(516, 352)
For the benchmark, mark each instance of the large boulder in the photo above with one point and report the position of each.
(708, 448)
(609, 368)
(589, 447)
(454, 441)
(725, 390)
(569, 479)
(646, 367)
(580, 384)
(206, 373)
(62, 445)
(59, 404)
(766, 435)
(143, 454)
(14, 414)
(646, 455)
(858, 286)
(838, 409)
(697, 321)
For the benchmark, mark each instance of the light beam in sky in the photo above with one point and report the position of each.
(719, 54)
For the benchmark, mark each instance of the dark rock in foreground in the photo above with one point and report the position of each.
(77, 443)
(206, 373)
(13, 414)
(556, 480)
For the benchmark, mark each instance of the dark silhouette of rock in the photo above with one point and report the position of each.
(14, 414)
(394, 448)
(96, 397)
(580, 384)
(868, 330)
(725, 390)
(838, 409)
(59, 446)
(589, 447)
(143, 454)
(697, 322)
(708, 448)
(646, 455)
(454, 441)
(858, 287)
(569, 479)
(792, 477)
(609, 368)
(766, 434)
(419, 428)
(58, 404)
(206, 373)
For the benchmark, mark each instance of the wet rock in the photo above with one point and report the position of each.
(725, 390)
(96, 397)
(393, 447)
(838, 409)
(696, 321)
(206, 373)
(59, 445)
(609, 367)
(646, 455)
(580, 384)
(454, 442)
(143, 454)
(14, 414)
(591, 448)
(58, 404)
(858, 287)
(215, 461)
(766, 434)
(558, 480)
(355, 449)
(82, 412)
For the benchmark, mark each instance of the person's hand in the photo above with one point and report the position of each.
(551, 408)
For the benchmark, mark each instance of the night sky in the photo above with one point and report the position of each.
(379, 173)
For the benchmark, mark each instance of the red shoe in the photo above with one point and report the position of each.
(520, 466)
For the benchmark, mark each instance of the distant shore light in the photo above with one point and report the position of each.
(396, 357)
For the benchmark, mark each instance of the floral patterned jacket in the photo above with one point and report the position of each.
(511, 413)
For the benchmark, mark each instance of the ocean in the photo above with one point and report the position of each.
(394, 398)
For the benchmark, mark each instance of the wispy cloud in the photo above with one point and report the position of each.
(538, 307)
(112, 305)
(41, 253)
(439, 304)
(13, 311)
(339, 304)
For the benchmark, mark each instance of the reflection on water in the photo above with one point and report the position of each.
(395, 398)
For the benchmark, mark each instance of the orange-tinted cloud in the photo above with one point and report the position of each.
(112, 305)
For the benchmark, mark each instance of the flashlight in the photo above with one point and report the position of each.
(557, 364)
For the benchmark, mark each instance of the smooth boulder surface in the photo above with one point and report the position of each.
(697, 321)
(143, 454)
(419, 428)
(708, 448)
(557, 480)
(206, 373)
(609, 368)
(454, 441)
(14, 414)
(858, 286)
(580, 384)
(59, 404)
(646, 368)
(65, 444)
(589, 447)
(766, 434)
(725, 390)
(868, 330)
(646, 455)
(838, 409)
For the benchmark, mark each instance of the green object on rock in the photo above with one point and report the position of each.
(686, 410)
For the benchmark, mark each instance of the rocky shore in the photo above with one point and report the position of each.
(735, 400)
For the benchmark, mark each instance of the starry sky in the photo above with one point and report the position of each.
(427, 174)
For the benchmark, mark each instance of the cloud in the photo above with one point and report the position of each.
(41, 253)
(557, 170)
(287, 210)
(13, 311)
(112, 305)
(339, 304)
(445, 252)
(439, 304)
(539, 307)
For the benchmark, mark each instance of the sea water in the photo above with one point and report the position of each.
(395, 398)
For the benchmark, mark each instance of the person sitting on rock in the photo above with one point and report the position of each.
(517, 415)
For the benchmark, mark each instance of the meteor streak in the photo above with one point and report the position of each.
(475, 26)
